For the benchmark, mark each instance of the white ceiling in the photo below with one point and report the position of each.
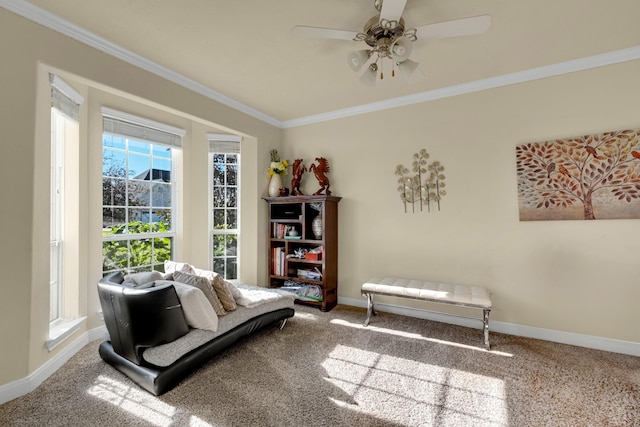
(243, 49)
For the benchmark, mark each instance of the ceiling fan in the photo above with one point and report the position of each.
(388, 38)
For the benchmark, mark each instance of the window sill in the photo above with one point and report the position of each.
(61, 331)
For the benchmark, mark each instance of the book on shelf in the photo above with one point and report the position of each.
(280, 230)
(278, 258)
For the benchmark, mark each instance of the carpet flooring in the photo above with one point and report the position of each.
(325, 369)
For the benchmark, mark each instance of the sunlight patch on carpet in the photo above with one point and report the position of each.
(198, 422)
(415, 336)
(133, 400)
(384, 386)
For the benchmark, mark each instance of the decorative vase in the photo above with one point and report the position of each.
(316, 226)
(275, 184)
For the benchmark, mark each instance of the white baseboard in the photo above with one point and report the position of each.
(26, 385)
(588, 341)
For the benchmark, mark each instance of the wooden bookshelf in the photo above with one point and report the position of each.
(291, 234)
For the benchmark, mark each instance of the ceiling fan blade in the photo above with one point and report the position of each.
(392, 10)
(455, 28)
(323, 33)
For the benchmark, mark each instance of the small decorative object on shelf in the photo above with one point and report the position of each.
(275, 184)
(277, 168)
(316, 224)
(426, 186)
(299, 253)
(284, 191)
(292, 232)
(318, 171)
(314, 254)
(298, 170)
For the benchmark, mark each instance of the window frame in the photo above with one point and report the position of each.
(56, 231)
(64, 146)
(158, 129)
(64, 119)
(222, 144)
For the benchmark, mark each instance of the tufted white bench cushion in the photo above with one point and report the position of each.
(444, 293)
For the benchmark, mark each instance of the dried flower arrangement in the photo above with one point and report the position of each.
(277, 166)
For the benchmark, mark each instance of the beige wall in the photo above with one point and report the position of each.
(571, 276)
(24, 171)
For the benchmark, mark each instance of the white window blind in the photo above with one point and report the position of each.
(64, 97)
(140, 128)
(222, 143)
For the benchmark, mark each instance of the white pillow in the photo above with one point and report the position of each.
(171, 266)
(142, 279)
(234, 290)
(196, 307)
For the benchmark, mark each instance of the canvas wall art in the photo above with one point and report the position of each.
(581, 178)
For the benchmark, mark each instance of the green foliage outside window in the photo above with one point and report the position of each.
(141, 254)
(225, 254)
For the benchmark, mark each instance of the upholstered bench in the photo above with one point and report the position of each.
(443, 293)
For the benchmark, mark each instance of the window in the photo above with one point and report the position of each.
(224, 161)
(138, 192)
(65, 134)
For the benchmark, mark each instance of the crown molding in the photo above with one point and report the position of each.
(601, 60)
(53, 22)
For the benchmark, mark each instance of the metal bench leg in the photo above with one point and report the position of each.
(485, 321)
(282, 323)
(370, 309)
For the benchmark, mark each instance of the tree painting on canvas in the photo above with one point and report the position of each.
(584, 177)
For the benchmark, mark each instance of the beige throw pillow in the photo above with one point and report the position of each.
(226, 298)
(197, 310)
(205, 286)
(221, 288)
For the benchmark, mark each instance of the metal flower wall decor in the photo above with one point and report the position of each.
(425, 186)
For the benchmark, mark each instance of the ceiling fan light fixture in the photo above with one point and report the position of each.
(356, 59)
(370, 75)
(388, 38)
(400, 49)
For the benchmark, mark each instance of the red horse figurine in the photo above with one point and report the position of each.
(323, 166)
(298, 170)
